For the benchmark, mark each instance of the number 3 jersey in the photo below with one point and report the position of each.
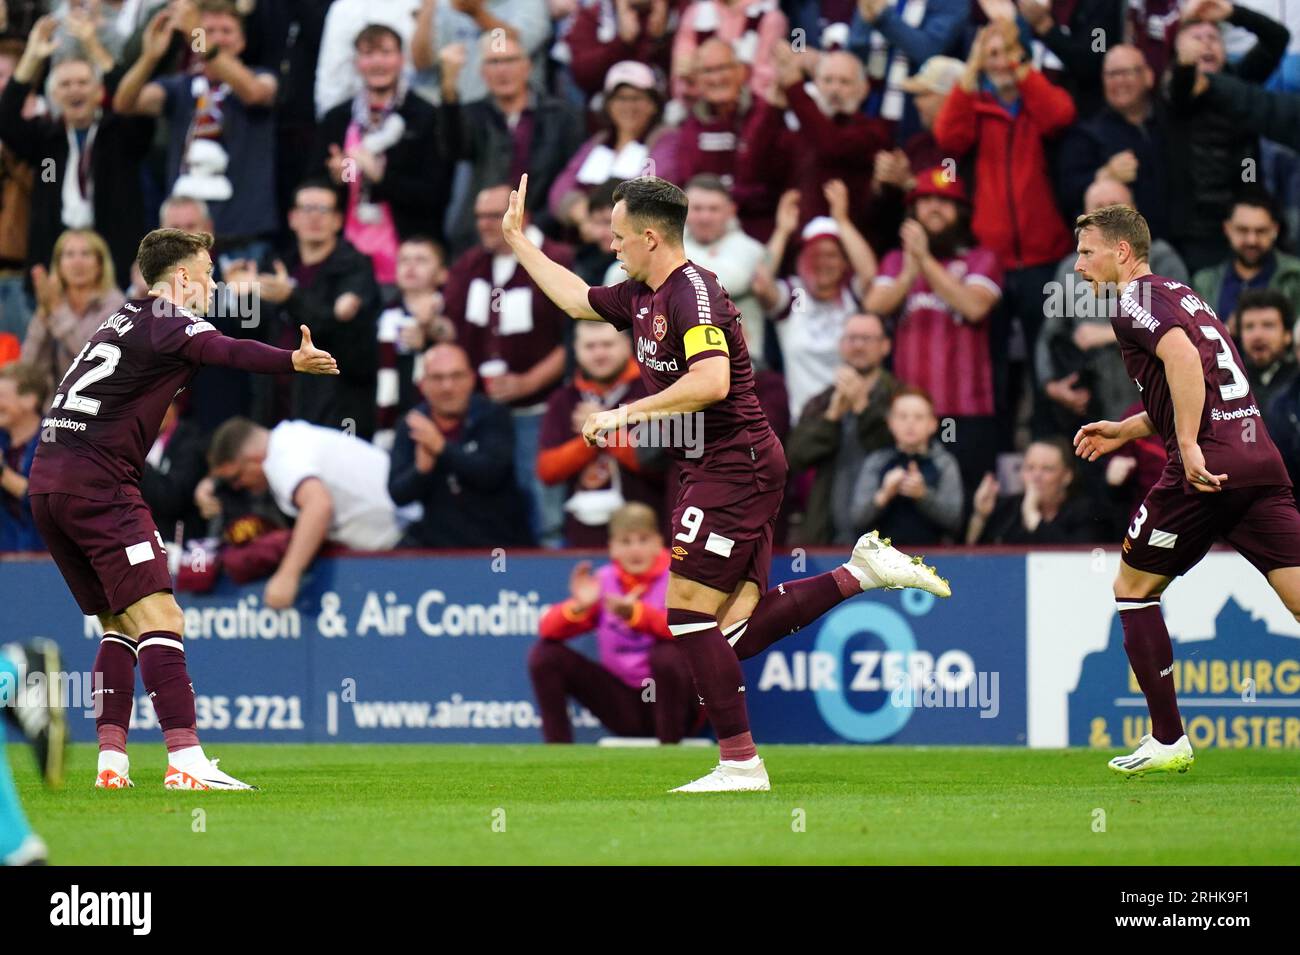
(111, 401)
(689, 318)
(1231, 434)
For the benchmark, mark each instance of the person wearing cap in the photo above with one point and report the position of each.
(894, 172)
(940, 288)
(632, 141)
(893, 37)
(1002, 113)
(833, 269)
(1123, 142)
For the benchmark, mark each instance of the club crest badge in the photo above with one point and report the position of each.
(660, 327)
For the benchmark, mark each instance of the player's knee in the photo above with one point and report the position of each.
(1135, 587)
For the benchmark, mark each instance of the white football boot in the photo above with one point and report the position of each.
(1152, 756)
(191, 769)
(731, 777)
(114, 771)
(876, 564)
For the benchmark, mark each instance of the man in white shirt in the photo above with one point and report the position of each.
(333, 484)
(714, 239)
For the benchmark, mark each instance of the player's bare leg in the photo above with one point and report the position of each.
(752, 623)
(160, 624)
(1285, 581)
(693, 610)
(1151, 655)
(114, 679)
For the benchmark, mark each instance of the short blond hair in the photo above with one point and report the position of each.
(1119, 223)
(633, 516)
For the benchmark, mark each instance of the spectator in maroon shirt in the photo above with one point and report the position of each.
(722, 121)
(609, 31)
(834, 139)
(514, 336)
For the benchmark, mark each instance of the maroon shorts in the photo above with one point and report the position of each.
(1173, 529)
(109, 552)
(722, 533)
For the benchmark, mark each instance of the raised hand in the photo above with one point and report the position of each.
(512, 223)
(584, 588)
(311, 360)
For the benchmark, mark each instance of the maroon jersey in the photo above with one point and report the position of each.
(111, 401)
(1231, 434)
(688, 318)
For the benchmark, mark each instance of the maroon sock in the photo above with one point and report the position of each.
(162, 670)
(1151, 655)
(114, 679)
(788, 607)
(719, 681)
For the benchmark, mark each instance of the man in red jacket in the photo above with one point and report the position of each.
(1003, 110)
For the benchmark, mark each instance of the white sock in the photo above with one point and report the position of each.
(188, 756)
(751, 763)
(117, 762)
(866, 578)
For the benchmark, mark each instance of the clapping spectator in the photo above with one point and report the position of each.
(1251, 229)
(514, 336)
(1209, 149)
(383, 149)
(221, 136)
(623, 602)
(1064, 35)
(713, 238)
(894, 42)
(511, 131)
(597, 481)
(73, 298)
(911, 491)
(605, 32)
(1046, 512)
(833, 269)
(633, 141)
(1125, 141)
(334, 486)
(87, 157)
(413, 321)
(327, 285)
(840, 427)
(941, 288)
(24, 392)
(454, 455)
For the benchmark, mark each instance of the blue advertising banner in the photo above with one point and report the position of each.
(409, 648)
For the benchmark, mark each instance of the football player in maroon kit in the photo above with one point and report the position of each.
(1224, 479)
(85, 493)
(691, 352)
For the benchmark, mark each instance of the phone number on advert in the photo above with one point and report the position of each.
(215, 713)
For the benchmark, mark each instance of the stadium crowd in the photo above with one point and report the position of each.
(885, 187)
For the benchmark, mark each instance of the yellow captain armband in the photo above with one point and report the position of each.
(700, 338)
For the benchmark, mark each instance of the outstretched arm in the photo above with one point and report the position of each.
(262, 359)
(561, 286)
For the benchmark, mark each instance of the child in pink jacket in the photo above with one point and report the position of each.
(641, 685)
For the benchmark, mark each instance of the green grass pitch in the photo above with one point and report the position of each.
(437, 804)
